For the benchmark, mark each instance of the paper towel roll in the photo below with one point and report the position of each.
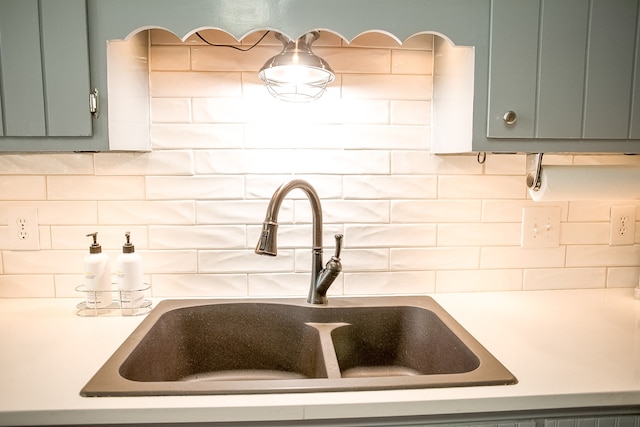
(564, 183)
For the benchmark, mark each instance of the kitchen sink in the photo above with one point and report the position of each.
(191, 347)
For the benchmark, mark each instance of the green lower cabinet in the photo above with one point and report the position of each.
(534, 421)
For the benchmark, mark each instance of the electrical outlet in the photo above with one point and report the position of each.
(541, 227)
(23, 229)
(623, 225)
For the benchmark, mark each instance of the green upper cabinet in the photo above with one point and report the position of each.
(50, 61)
(563, 76)
(509, 75)
(45, 68)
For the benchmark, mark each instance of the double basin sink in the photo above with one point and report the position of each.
(199, 347)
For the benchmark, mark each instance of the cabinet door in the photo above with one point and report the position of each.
(45, 68)
(567, 68)
(512, 84)
(563, 41)
(610, 69)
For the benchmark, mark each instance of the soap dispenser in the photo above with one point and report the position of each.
(97, 275)
(130, 281)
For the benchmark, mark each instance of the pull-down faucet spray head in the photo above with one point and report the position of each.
(268, 242)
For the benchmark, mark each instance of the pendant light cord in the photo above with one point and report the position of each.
(232, 46)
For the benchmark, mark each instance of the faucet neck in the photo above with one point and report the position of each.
(316, 209)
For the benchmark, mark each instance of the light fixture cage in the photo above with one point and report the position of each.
(296, 74)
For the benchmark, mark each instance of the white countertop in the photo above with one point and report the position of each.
(568, 349)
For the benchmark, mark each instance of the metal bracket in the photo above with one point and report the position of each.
(94, 103)
(534, 169)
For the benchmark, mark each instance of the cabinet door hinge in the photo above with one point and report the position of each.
(94, 103)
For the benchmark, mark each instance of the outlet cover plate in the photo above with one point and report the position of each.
(24, 234)
(541, 227)
(623, 225)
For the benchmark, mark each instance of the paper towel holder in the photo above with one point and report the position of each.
(534, 170)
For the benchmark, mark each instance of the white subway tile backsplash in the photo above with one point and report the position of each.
(239, 212)
(435, 258)
(564, 278)
(390, 187)
(200, 285)
(389, 283)
(623, 277)
(175, 162)
(411, 62)
(296, 161)
(263, 186)
(423, 162)
(410, 113)
(80, 187)
(194, 187)
(17, 187)
(356, 60)
(174, 58)
(602, 256)
(479, 234)
(413, 222)
(165, 136)
(481, 187)
(142, 212)
(27, 286)
(495, 257)
(244, 261)
(197, 84)
(391, 137)
(584, 233)
(198, 237)
(478, 280)
(214, 58)
(284, 285)
(387, 86)
(170, 110)
(389, 235)
(44, 262)
(593, 210)
(346, 211)
(46, 164)
(169, 261)
(435, 211)
(57, 212)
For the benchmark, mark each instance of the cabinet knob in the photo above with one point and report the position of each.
(510, 117)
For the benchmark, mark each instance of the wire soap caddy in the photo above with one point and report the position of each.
(129, 302)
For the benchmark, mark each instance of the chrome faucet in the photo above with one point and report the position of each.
(321, 278)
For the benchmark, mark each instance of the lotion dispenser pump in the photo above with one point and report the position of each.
(97, 275)
(130, 281)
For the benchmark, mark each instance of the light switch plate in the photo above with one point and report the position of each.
(541, 227)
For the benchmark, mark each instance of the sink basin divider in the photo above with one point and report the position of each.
(326, 347)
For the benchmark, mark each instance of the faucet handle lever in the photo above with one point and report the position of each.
(338, 246)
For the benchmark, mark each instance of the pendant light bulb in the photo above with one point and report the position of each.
(296, 74)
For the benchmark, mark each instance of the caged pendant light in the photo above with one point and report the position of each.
(296, 74)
